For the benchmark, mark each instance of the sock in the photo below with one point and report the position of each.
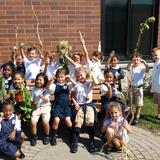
(75, 134)
(53, 133)
(91, 133)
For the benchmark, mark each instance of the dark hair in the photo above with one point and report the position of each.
(106, 71)
(6, 103)
(11, 65)
(20, 73)
(31, 49)
(44, 77)
(136, 55)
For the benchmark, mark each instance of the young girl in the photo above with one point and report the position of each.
(85, 110)
(11, 136)
(41, 102)
(118, 72)
(115, 127)
(62, 108)
(108, 90)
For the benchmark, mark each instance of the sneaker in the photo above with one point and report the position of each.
(21, 155)
(74, 147)
(46, 140)
(135, 121)
(108, 149)
(157, 117)
(33, 141)
(53, 141)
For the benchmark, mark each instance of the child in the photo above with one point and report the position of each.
(115, 127)
(51, 64)
(108, 91)
(118, 72)
(137, 68)
(32, 63)
(16, 91)
(155, 86)
(74, 64)
(95, 62)
(62, 108)
(18, 61)
(11, 136)
(82, 99)
(41, 102)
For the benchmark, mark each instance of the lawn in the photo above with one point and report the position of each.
(148, 120)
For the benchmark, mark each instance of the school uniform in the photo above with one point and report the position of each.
(6, 127)
(62, 105)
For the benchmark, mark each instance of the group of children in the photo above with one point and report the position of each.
(73, 96)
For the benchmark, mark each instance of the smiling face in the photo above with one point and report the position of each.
(109, 77)
(114, 113)
(17, 80)
(61, 78)
(39, 82)
(31, 55)
(156, 55)
(81, 76)
(7, 72)
(8, 110)
(19, 60)
(114, 61)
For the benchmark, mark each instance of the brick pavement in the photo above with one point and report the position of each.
(143, 145)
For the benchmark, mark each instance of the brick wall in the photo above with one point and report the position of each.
(59, 19)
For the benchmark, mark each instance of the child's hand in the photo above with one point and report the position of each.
(68, 77)
(14, 49)
(12, 135)
(108, 84)
(77, 107)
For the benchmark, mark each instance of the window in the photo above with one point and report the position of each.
(120, 26)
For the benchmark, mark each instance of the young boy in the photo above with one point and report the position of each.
(155, 86)
(32, 63)
(137, 68)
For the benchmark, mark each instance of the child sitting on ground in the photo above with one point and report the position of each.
(115, 128)
(11, 135)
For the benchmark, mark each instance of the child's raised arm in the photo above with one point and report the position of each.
(70, 59)
(146, 65)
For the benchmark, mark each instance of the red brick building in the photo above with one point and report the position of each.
(114, 22)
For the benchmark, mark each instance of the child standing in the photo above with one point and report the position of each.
(155, 86)
(137, 68)
(62, 108)
(11, 136)
(118, 72)
(41, 102)
(85, 110)
(115, 127)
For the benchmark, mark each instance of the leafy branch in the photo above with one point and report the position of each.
(143, 26)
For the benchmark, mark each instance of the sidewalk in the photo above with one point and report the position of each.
(143, 145)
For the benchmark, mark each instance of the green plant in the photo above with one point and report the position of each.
(143, 26)
(22, 97)
(3, 91)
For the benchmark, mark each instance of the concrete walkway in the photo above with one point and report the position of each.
(143, 145)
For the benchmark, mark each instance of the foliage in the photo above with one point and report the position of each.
(3, 91)
(23, 97)
(63, 47)
(143, 26)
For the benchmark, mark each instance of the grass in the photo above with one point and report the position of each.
(148, 113)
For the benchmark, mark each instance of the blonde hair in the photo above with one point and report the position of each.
(81, 69)
(155, 50)
(111, 106)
